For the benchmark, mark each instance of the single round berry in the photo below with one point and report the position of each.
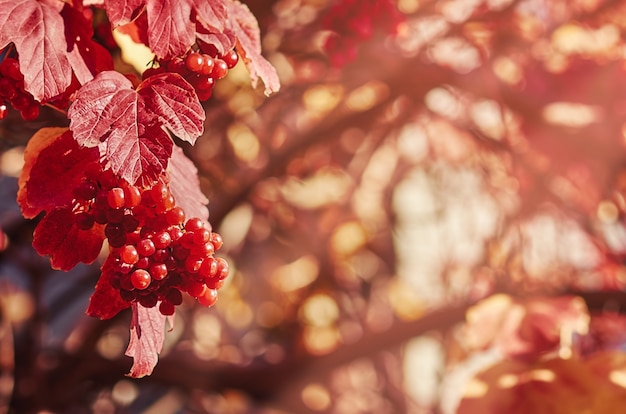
(231, 58)
(84, 220)
(146, 247)
(193, 264)
(149, 301)
(207, 65)
(201, 236)
(222, 268)
(140, 279)
(209, 268)
(194, 288)
(129, 254)
(116, 198)
(132, 196)
(194, 224)
(220, 69)
(158, 271)
(194, 61)
(174, 296)
(30, 113)
(159, 192)
(11, 69)
(85, 191)
(167, 308)
(162, 239)
(217, 241)
(175, 216)
(209, 298)
(4, 111)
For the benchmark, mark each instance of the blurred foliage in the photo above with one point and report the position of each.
(475, 160)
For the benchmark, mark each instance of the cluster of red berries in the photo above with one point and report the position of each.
(352, 22)
(200, 69)
(156, 253)
(12, 91)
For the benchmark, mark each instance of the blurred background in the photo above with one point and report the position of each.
(438, 189)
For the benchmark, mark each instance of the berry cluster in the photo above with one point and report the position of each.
(156, 254)
(200, 69)
(352, 22)
(12, 91)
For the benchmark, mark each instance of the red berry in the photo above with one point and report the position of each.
(140, 279)
(158, 271)
(11, 69)
(3, 111)
(86, 190)
(142, 263)
(194, 224)
(162, 239)
(209, 298)
(204, 250)
(160, 255)
(175, 233)
(180, 253)
(167, 308)
(132, 196)
(209, 268)
(159, 192)
(195, 289)
(214, 283)
(231, 58)
(21, 102)
(146, 247)
(174, 296)
(217, 241)
(220, 69)
(222, 268)
(194, 62)
(115, 198)
(193, 264)
(84, 220)
(149, 301)
(7, 88)
(204, 94)
(30, 113)
(201, 236)
(207, 65)
(175, 216)
(129, 254)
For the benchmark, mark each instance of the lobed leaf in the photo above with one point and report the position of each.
(54, 165)
(147, 328)
(106, 302)
(169, 30)
(126, 124)
(246, 28)
(37, 29)
(57, 236)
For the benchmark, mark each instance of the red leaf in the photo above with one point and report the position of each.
(146, 339)
(185, 185)
(37, 29)
(245, 26)
(170, 31)
(175, 105)
(58, 236)
(108, 110)
(138, 158)
(54, 165)
(106, 302)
